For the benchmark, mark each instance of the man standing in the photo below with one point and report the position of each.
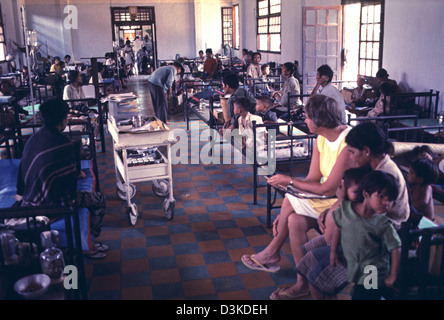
(137, 46)
(323, 86)
(160, 85)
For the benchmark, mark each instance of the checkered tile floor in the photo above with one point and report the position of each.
(197, 254)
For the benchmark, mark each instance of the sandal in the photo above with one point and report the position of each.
(281, 294)
(250, 262)
(96, 256)
(100, 246)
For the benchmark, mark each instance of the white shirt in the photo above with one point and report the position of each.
(137, 45)
(331, 91)
(71, 93)
(247, 131)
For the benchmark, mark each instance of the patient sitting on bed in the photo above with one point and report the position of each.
(263, 105)
(50, 165)
(241, 108)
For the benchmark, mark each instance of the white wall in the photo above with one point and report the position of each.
(13, 32)
(414, 44)
(174, 22)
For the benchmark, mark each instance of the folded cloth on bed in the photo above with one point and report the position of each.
(204, 94)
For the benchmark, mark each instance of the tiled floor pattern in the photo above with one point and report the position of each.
(197, 254)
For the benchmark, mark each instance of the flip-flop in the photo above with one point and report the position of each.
(100, 246)
(280, 294)
(256, 265)
(96, 256)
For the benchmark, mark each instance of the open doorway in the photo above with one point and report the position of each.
(131, 22)
(349, 38)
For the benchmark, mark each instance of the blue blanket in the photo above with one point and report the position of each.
(8, 178)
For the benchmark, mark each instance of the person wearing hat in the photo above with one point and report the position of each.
(160, 85)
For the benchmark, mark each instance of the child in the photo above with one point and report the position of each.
(325, 280)
(265, 71)
(368, 238)
(263, 105)
(386, 91)
(241, 108)
(423, 173)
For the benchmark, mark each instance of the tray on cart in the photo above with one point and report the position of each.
(152, 132)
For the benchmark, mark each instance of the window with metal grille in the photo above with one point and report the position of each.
(269, 25)
(2, 38)
(370, 37)
(227, 26)
(123, 14)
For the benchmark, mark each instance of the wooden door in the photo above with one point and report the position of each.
(322, 42)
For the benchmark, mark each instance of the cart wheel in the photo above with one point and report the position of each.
(161, 188)
(168, 207)
(122, 193)
(132, 213)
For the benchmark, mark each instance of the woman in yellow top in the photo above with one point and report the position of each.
(329, 161)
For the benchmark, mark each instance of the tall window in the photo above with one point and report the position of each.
(269, 25)
(236, 27)
(2, 38)
(370, 37)
(227, 26)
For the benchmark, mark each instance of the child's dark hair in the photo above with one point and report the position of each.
(53, 112)
(73, 75)
(418, 152)
(355, 175)
(243, 103)
(378, 181)
(264, 66)
(426, 169)
(290, 67)
(266, 100)
(231, 80)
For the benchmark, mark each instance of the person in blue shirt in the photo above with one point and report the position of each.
(160, 85)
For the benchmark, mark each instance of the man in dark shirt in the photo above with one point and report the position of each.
(50, 165)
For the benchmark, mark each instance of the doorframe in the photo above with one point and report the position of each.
(140, 23)
(338, 72)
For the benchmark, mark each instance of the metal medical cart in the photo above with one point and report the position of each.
(138, 159)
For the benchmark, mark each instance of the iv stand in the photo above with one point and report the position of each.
(28, 61)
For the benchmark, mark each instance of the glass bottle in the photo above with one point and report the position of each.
(51, 259)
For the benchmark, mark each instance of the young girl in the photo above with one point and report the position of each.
(325, 281)
(368, 238)
(423, 173)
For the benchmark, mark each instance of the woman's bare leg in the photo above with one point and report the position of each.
(271, 254)
(298, 225)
